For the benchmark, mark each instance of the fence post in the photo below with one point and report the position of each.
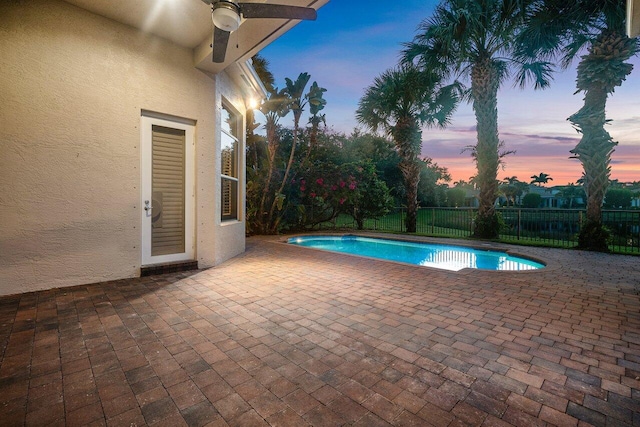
(519, 222)
(579, 221)
(638, 215)
(433, 220)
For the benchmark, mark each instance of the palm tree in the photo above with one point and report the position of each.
(275, 107)
(461, 183)
(476, 40)
(294, 91)
(400, 101)
(254, 141)
(540, 179)
(512, 189)
(569, 193)
(562, 29)
(316, 104)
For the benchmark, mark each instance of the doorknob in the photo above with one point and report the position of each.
(147, 207)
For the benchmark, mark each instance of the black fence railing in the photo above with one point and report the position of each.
(546, 227)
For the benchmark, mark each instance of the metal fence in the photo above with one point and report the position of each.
(545, 227)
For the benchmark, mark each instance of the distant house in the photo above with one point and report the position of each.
(121, 142)
(471, 198)
(549, 195)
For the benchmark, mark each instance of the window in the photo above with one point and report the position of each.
(230, 141)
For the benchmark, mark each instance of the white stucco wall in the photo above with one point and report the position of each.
(72, 88)
(229, 235)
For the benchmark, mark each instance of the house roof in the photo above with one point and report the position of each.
(188, 24)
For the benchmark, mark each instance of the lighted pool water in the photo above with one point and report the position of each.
(426, 254)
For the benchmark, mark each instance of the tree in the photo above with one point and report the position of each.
(540, 179)
(275, 107)
(371, 199)
(294, 91)
(433, 183)
(618, 198)
(569, 193)
(456, 197)
(512, 189)
(461, 183)
(382, 153)
(400, 101)
(476, 39)
(316, 104)
(329, 189)
(532, 200)
(255, 143)
(562, 29)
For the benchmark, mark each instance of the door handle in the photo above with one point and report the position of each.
(147, 207)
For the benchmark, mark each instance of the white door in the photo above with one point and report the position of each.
(167, 191)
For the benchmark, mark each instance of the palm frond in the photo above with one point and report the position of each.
(539, 74)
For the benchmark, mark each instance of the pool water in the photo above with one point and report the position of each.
(426, 254)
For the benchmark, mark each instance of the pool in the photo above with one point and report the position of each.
(446, 257)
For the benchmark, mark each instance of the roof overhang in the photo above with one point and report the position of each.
(188, 23)
(633, 18)
(246, 78)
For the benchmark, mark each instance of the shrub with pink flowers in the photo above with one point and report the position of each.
(351, 188)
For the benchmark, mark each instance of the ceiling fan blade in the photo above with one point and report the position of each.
(267, 10)
(220, 42)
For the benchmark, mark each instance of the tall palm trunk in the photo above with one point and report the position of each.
(408, 139)
(272, 148)
(484, 89)
(599, 73)
(274, 223)
(411, 174)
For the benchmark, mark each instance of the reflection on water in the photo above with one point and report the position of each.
(454, 259)
(431, 255)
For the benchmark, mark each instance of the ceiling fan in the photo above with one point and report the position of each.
(227, 16)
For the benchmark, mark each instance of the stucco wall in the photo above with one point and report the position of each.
(229, 235)
(72, 88)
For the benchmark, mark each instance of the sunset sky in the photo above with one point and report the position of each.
(354, 41)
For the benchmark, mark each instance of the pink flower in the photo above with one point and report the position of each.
(320, 181)
(334, 187)
(302, 188)
(313, 195)
(352, 185)
(342, 200)
(342, 184)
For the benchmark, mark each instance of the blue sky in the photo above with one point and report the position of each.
(353, 41)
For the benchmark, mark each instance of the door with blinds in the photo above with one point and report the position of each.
(167, 191)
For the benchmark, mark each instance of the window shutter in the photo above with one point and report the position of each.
(168, 187)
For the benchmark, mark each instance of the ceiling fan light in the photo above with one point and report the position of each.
(225, 16)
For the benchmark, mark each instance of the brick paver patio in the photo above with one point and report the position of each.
(289, 336)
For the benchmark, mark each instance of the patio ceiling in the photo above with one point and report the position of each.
(188, 24)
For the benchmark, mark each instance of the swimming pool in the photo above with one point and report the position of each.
(446, 257)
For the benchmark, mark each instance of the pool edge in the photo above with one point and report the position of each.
(481, 246)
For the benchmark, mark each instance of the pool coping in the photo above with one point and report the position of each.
(481, 245)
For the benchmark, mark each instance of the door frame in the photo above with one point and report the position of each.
(146, 124)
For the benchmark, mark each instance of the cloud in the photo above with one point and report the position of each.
(542, 137)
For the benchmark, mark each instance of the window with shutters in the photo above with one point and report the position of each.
(230, 137)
